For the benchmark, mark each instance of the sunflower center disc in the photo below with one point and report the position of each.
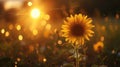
(77, 30)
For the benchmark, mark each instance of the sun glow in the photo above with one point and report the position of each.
(35, 13)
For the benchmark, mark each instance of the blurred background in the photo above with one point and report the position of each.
(30, 33)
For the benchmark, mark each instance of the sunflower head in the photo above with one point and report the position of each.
(77, 28)
(98, 46)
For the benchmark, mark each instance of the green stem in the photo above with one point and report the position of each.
(77, 56)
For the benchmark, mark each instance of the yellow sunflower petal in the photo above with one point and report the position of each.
(86, 37)
(84, 18)
(65, 30)
(75, 19)
(90, 26)
(88, 21)
(70, 19)
(65, 22)
(65, 26)
(90, 31)
(77, 42)
(90, 35)
(80, 17)
(65, 35)
(82, 41)
(68, 39)
(73, 40)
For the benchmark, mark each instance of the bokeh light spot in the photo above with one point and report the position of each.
(18, 59)
(48, 26)
(35, 32)
(43, 23)
(16, 62)
(44, 59)
(18, 27)
(7, 34)
(20, 37)
(59, 42)
(29, 3)
(31, 48)
(2, 31)
(102, 38)
(11, 26)
(47, 17)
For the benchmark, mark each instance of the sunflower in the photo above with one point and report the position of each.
(98, 46)
(77, 28)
